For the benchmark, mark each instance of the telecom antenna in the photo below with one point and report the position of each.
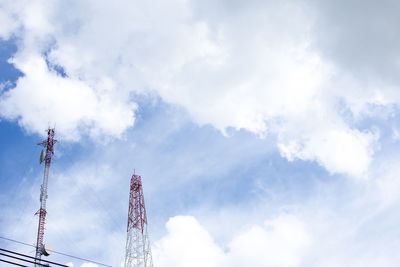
(138, 250)
(48, 144)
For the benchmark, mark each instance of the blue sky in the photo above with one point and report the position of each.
(267, 134)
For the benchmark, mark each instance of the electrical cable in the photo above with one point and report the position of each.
(64, 254)
(30, 257)
(12, 240)
(20, 259)
(13, 263)
(82, 259)
(90, 204)
(94, 197)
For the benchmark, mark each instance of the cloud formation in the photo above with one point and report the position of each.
(279, 242)
(266, 67)
(43, 97)
(330, 223)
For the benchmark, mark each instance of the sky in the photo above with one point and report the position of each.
(267, 133)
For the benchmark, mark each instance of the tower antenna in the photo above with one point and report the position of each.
(138, 250)
(48, 144)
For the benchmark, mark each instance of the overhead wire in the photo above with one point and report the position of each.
(13, 263)
(60, 253)
(94, 197)
(37, 260)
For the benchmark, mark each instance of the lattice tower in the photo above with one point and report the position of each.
(48, 144)
(138, 250)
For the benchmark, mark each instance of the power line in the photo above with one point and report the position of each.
(29, 257)
(79, 258)
(21, 259)
(60, 253)
(41, 262)
(12, 240)
(13, 263)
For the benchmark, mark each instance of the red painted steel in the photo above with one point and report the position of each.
(49, 144)
(137, 211)
(138, 249)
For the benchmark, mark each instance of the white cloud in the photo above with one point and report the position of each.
(362, 41)
(279, 242)
(88, 264)
(338, 149)
(259, 69)
(43, 98)
(8, 23)
(5, 85)
(387, 183)
(329, 227)
(186, 244)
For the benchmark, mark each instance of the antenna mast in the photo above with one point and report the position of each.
(48, 144)
(138, 250)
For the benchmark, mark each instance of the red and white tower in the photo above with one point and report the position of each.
(48, 144)
(138, 250)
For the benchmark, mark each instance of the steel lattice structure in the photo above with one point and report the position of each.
(138, 250)
(48, 144)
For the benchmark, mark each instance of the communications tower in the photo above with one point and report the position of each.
(48, 144)
(138, 250)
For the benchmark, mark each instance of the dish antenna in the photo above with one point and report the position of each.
(46, 249)
(42, 157)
